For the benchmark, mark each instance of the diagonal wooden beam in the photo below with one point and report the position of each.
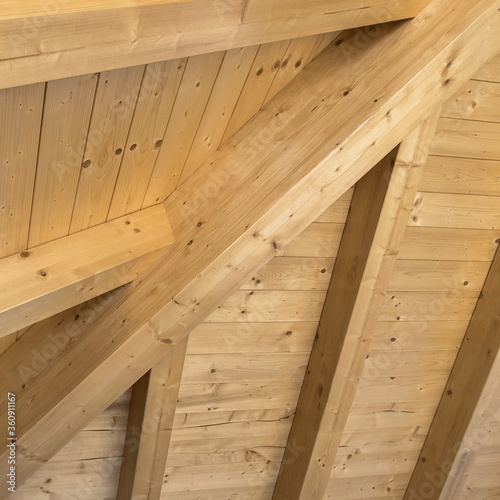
(50, 278)
(149, 427)
(374, 231)
(42, 40)
(461, 420)
(299, 154)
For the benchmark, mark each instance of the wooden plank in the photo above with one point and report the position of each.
(372, 236)
(20, 123)
(232, 396)
(244, 368)
(461, 176)
(263, 305)
(292, 273)
(459, 211)
(437, 275)
(320, 239)
(97, 477)
(155, 102)
(445, 305)
(252, 337)
(204, 478)
(260, 78)
(151, 416)
(55, 276)
(115, 101)
(66, 116)
(467, 139)
(190, 103)
(220, 452)
(468, 393)
(426, 335)
(227, 89)
(44, 42)
(274, 179)
(449, 244)
(204, 419)
(476, 101)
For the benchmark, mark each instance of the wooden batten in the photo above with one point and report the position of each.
(45, 280)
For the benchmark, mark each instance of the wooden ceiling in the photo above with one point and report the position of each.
(262, 265)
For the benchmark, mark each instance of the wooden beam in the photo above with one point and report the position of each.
(298, 155)
(50, 278)
(372, 236)
(149, 427)
(461, 420)
(45, 40)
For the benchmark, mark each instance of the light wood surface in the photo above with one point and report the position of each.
(43, 42)
(20, 122)
(471, 388)
(50, 278)
(67, 111)
(360, 279)
(309, 190)
(149, 427)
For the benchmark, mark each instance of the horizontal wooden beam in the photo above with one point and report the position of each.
(461, 420)
(374, 230)
(50, 278)
(149, 427)
(313, 141)
(43, 40)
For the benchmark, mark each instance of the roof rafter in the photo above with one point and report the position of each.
(149, 427)
(449, 450)
(43, 41)
(299, 154)
(374, 230)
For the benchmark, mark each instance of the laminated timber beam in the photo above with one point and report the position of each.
(149, 427)
(462, 420)
(275, 176)
(43, 40)
(55, 276)
(374, 230)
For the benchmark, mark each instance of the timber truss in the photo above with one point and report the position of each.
(362, 116)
